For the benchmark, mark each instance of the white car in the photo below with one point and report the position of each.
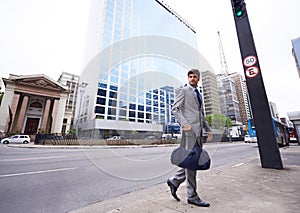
(16, 139)
(249, 139)
(115, 138)
(150, 137)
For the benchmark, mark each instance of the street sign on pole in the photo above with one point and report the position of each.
(267, 144)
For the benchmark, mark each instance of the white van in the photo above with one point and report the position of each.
(16, 139)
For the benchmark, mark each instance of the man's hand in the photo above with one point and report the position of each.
(187, 128)
(209, 136)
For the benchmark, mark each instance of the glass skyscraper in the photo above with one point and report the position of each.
(210, 93)
(137, 54)
(296, 53)
(228, 98)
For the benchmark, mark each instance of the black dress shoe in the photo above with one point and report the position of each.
(173, 190)
(198, 202)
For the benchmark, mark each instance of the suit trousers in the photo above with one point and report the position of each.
(184, 174)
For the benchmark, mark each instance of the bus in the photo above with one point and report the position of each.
(292, 134)
(281, 131)
(251, 128)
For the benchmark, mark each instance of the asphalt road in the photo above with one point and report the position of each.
(60, 180)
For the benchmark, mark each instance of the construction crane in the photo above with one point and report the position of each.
(224, 67)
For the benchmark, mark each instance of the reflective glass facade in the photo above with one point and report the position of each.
(125, 94)
(140, 88)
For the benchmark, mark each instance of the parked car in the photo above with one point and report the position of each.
(115, 138)
(249, 139)
(150, 137)
(166, 136)
(16, 139)
(170, 137)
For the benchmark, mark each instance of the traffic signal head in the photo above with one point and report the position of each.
(238, 6)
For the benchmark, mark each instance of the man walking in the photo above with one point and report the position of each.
(188, 111)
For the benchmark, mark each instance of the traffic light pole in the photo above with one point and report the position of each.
(267, 144)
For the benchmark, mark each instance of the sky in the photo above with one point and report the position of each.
(48, 37)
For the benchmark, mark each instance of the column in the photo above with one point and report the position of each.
(46, 116)
(21, 118)
(6, 101)
(54, 114)
(15, 114)
(60, 113)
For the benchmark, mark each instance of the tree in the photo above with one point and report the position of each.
(71, 134)
(72, 131)
(1, 96)
(228, 122)
(218, 121)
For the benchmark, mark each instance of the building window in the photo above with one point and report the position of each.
(99, 109)
(148, 102)
(148, 116)
(111, 111)
(141, 107)
(112, 103)
(112, 87)
(101, 92)
(140, 115)
(101, 101)
(113, 95)
(36, 105)
(102, 85)
(132, 114)
(122, 112)
(132, 106)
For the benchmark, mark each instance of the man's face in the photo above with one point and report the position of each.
(193, 80)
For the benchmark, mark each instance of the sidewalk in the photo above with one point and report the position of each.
(240, 187)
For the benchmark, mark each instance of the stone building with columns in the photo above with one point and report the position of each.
(32, 103)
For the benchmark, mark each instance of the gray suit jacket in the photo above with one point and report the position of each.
(187, 110)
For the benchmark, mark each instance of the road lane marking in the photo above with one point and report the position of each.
(237, 165)
(37, 158)
(38, 172)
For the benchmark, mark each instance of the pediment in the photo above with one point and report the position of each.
(39, 82)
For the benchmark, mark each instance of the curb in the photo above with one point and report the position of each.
(33, 146)
(86, 147)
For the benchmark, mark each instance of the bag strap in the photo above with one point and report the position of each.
(182, 142)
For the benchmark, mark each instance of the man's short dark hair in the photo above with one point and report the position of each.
(194, 71)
